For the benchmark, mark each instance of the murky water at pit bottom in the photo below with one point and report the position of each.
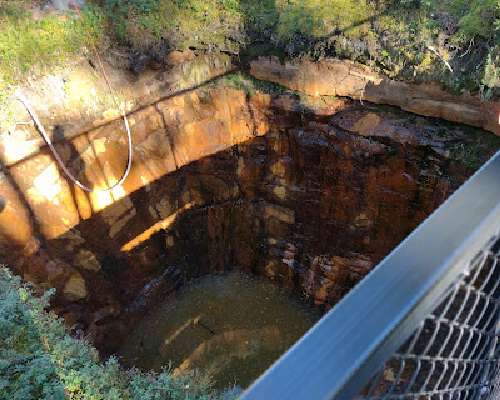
(231, 326)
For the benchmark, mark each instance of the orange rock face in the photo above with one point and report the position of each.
(333, 77)
(78, 99)
(222, 180)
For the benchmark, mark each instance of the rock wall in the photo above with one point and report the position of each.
(332, 77)
(311, 195)
(78, 99)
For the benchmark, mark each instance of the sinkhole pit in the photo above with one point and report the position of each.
(231, 195)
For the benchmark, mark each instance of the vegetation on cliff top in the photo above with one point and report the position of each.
(40, 360)
(455, 42)
(30, 44)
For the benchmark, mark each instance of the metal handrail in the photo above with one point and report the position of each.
(342, 352)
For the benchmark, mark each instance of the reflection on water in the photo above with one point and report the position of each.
(230, 326)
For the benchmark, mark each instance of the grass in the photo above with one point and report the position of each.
(31, 47)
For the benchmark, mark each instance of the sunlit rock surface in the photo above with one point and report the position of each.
(332, 77)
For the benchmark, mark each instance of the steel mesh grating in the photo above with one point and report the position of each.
(455, 352)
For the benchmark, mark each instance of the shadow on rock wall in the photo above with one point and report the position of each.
(221, 181)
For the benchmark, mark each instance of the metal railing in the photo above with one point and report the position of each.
(424, 324)
(452, 353)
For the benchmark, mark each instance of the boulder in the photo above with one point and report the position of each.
(75, 288)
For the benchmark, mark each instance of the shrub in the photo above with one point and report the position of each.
(477, 18)
(185, 23)
(40, 360)
(316, 18)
